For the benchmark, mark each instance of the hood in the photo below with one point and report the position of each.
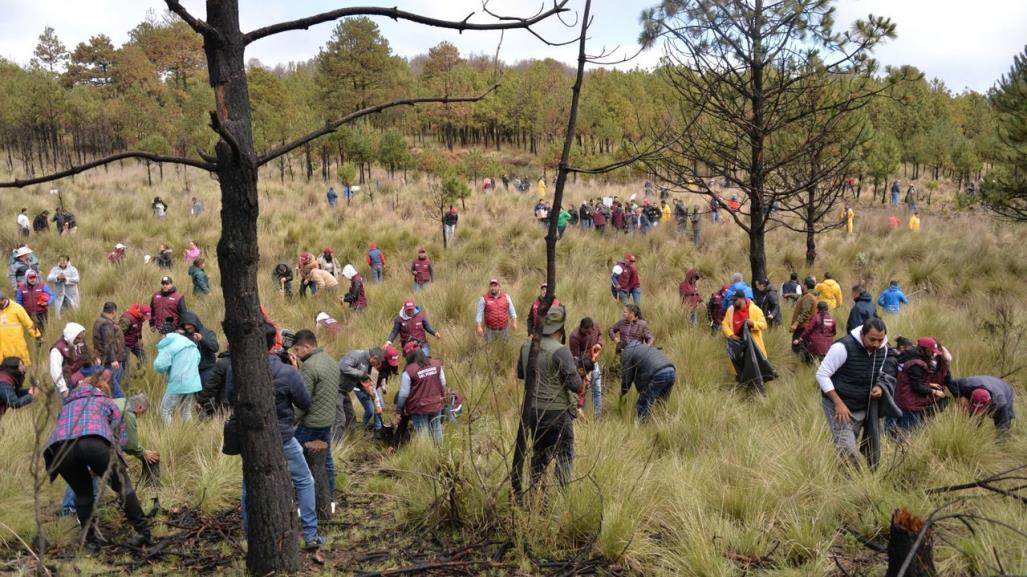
(403, 313)
(72, 330)
(175, 342)
(349, 272)
(321, 316)
(864, 297)
(692, 275)
(856, 335)
(191, 318)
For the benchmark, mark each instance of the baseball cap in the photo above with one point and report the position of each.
(392, 355)
(321, 316)
(629, 257)
(979, 400)
(554, 320)
(494, 281)
(165, 280)
(146, 311)
(410, 346)
(929, 343)
(409, 304)
(31, 274)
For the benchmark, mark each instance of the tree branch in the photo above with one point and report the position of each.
(18, 183)
(201, 27)
(504, 23)
(334, 125)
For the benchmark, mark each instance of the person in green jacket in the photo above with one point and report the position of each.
(178, 359)
(561, 222)
(137, 406)
(321, 376)
(201, 282)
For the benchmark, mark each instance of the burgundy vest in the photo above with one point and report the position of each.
(497, 311)
(426, 391)
(412, 329)
(905, 397)
(421, 270)
(74, 358)
(30, 298)
(135, 330)
(165, 306)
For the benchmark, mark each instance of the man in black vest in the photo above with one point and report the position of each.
(850, 384)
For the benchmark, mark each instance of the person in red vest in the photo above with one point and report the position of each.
(422, 392)
(421, 269)
(496, 313)
(629, 282)
(688, 290)
(533, 318)
(411, 325)
(325, 323)
(35, 297)
(818, 335)
(922, 380)
(131, 323)
(355, 297)
(166, 307)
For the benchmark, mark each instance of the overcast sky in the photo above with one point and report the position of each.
(969, 45)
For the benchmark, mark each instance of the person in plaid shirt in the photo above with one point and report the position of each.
(631, 329)
(86, 441)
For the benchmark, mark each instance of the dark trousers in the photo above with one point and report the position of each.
(796, 336)
(74, 460)
(552, 435)
(345, 417)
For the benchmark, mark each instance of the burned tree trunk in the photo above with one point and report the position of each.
(316, 455)
(908, 554)
(273, 533)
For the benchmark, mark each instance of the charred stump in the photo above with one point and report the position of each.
(316, 455)
(905, 543)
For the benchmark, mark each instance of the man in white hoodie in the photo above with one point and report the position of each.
(850, 385)
(67, 356)
(64, 278)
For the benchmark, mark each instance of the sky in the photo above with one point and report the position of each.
(968, 45)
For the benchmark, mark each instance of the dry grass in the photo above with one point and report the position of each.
(714, 472)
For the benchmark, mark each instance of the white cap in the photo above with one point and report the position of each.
(617, 269)
(119, 245)
(146, 259)
(322, 316)
(349, 272)
(22, 251)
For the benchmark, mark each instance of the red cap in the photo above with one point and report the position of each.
(372, 245)
(929, 343)
(629, 257)
(409, 304)
(494, 281)
(979, 400)
(410, 347)
(145, 310)
(391, 355)
(327, 251)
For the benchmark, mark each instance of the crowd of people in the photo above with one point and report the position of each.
(861, 377)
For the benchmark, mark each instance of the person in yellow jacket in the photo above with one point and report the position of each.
(850, 216)
(741, 311)
(830, 292)
(665, 212)
(914, 222)
(14, 323)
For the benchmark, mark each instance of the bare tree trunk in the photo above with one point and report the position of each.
(316, 455)
(273, 536)
(902, 543)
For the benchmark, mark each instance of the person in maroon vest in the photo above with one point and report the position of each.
(422, 270)
(131, 323)
(818, 336)
(35, 297)
(496, 313)
(533, 318)
(630, 283)
(67, 355)
(422, 392)
(166, 307)
(355, 297)
(923, 377)
(324, 323)
(411, 325)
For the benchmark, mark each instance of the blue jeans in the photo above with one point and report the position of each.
(432, 422)
(303, 481)
(307, 434)
(172, 403)
(377, 273)
(367, 402)
(116, 375)
(657, 389)
(636, 296)
(895, 199)
(419, 286)
(68, 502)
(331, 202)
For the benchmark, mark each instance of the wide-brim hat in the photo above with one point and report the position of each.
(22, 251)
